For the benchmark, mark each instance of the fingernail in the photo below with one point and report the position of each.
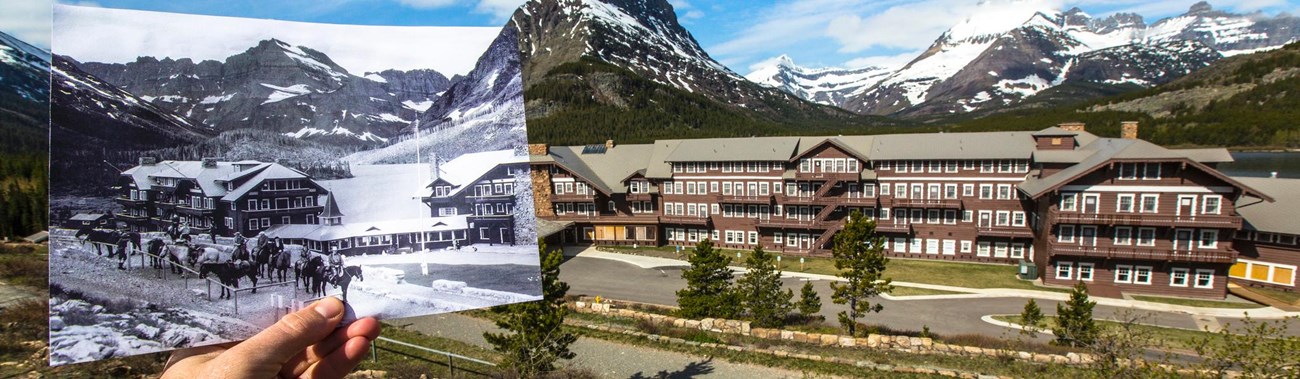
(329, 308)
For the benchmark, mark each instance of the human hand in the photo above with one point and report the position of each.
(302, 344)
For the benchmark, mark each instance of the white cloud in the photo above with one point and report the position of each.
(28, 20)
(694, 14)
(501, 9)
(427, 4)
(764, 63)
(889, 61)
(686, 10)
(119, 36)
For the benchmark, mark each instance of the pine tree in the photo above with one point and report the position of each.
(859, 255)
(766, 304)
(809, 302)
(535, 337)
(1074, 323)
(708, 291)
(1031, 318)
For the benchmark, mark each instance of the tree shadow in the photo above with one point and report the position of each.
(691, 370)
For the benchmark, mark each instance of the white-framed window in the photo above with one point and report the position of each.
(1069, 201)
(753, 238)
(1017, 250)
(884, 213)
(1064, 270)
(983, 248)
(1004, 192)
(1142, 275)
(965, 247)
(1123, 235)
(253, 224)
(1018, 218)
(950, 216)
(1085, 271)
(1123, 274)
(986, 166)
(967, 215)
(1210, 204)
(950, 166)
(932, 216)
(1128, 171)
(1125, 203)
(986, 191)
(1066, 234)
(900, 245)
(1179, 277)
(776, 238)
(950, 191)
(1151, 171)
(1003, 218)
(967, 190)
(1209, 239)
(1204, 279)
(967, 165)
(1150, 203)
(1146, 237)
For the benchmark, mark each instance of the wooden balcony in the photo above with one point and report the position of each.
(924, 203)
(188, 210)
(1143, 253)
(800, 200)
(129, 202)
(781, 222)
(887, 226)
(684, 220)
(745, 199)
(572, 197)
(588, 217)
(1147, 219)
(844, 176)
(640, 196)
(127, 217)
(1005, 231)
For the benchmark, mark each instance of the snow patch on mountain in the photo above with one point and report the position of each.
(282, 93)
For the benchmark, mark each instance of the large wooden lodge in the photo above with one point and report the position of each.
(1118, 212)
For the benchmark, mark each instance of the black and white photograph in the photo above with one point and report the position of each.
(212, 174)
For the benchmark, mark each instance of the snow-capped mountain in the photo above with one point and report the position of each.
(1004, 53)
(283, 88)
(824, 85)
(640, 36)
(88, 114)
(24, 69)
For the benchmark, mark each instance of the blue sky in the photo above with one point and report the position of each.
(739, 34)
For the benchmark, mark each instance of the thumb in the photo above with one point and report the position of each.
(274, 346)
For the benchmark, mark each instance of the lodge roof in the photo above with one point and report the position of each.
(364, 229)
(1262, 216)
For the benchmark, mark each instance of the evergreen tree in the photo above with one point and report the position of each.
(708, 291)
(760, 290)
(859, 254)
(535, 337)
(1032, 318)
(809, 302)
(1074, 323)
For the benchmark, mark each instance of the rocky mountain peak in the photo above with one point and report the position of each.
(1201, 7)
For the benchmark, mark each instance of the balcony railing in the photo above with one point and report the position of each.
(129, 201)
(577, 216)
(185, 209)
(283, 210)
(1005, 231)
(130, 217)
(569, 197)
(925, 203)
(1141, 253)
(640, 196)
(782, 222)
(755, 199)
(891, 227)
(1147, 219)
(686, 220)
(850, 176)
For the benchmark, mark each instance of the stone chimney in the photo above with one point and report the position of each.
(1128, 130)
(609, 144)
(1072, 126)
(434, 166)
(209, 162)
(148, 161)
(537, 149)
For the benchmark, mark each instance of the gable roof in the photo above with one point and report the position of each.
(606, 172)
(263, 172)
(1102, 151)
(734, 149)
(469, 168)
(1266, 217)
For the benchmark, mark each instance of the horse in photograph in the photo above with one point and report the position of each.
(179, 255)
(126, 243)
(155, 249)
(344, 279)
(263, 258)
(229, 273)
(313, 273)
(280, 263)
(98, 237)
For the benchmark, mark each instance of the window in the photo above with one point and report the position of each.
(1069, 200)
(1210, 204)
(966, 215)
(982, 249)
(1150, 203)
(753, 238)
(965, 247)
(1085, 271)
(1178, 277)
(1142, 275)
(1018, 218)
(1209, 239)
(950, 191)
(252, 224)
(1003, 218)
(1064, 270)
(1204, 279)
(986, 166)
(986, 191)
(1128, 171)
(950, 216)
(1066, 234)
(900, 245)
(1123, 274)
(1151, 172)
(967, 190)
(1146, 237)
(1123, 235)
(1004, 192)
(935, 166)
(1124, 203)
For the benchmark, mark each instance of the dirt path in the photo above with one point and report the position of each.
(609, 359)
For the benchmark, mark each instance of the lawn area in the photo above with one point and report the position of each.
(1279, 295)
(969, 275)
(404, 362)
(916, 291)
(1174, 338)
(1198, 302)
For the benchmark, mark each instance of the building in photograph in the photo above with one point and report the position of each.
(1117, 212)
(210, 196)
(1267, 251)
(481, 188)
(89, 221)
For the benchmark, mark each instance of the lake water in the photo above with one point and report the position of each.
(1261, 164)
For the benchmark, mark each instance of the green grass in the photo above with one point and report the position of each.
(1198, 302)
(1279, 295)
(968, 275)
(405, 362)
(24, 265)
(1174, 338)
(917, 291)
